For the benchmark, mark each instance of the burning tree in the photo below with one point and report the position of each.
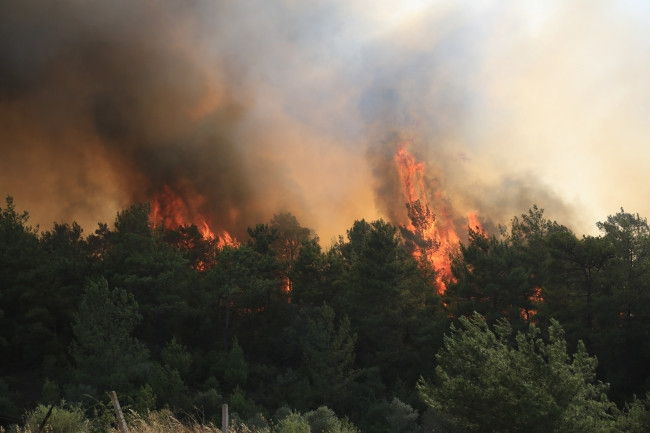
(422, 220)
(427, 235)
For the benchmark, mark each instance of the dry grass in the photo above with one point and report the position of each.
(159, 421)
(163, 421)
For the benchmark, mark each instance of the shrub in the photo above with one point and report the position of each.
(293, 423)
(64, 419)
(323, 420)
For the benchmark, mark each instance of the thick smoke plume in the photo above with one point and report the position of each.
(246, 109)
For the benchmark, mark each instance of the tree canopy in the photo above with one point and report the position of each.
(281, 324)
(486, 374)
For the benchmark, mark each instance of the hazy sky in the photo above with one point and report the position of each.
(258, 107)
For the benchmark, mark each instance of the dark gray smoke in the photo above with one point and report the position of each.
(246, 109)
(106, 100)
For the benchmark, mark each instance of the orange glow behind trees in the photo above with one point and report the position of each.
(173, 210)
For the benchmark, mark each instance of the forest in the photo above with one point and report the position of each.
(539, 330)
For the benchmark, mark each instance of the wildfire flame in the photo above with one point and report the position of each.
(431, 235)
(475, 224)
(204, 228)
(173, 210)
(168, 209)
(225, 240)
(536, 297)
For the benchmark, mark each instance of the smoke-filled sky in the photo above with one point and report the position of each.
(254, 107)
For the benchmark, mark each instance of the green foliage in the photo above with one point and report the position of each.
(502, 276)
(401, 418)
(490, 279)
(236, 371)
(257, 423)
(574, 283)
(308, 275)
(250, 295)
(348, 426)
(144, 399)
(597, 287)
(241, 405)
(191, 245)
(483, 375)
(636, 417)
(360, 323)
(391, 307)
(176, 357)
(623, 310)
(103, 341)
(290, 235)
(328, 353)
(292, 423)
(63, 273)
(139, 261)
(262, 238)
(50, 392)
(101, 416)
(26, 322)
(63, 419)
(323, 420)
(208, 403)
(168, 387)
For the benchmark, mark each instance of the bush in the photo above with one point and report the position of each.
(50, 392)
(241, 405)
(293, 423)
(70, 419)
(401, 418)
(323, 420)
(208, 405)
(144, 399)
(102, 418)
(636, 417)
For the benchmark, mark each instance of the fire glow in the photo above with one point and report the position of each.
(430, 231)
(432, 234)
(172, 210)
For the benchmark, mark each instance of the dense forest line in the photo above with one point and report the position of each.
(277, 325)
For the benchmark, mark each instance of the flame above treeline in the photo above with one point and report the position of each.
(431, 235)
(171, 210)
(429, 232)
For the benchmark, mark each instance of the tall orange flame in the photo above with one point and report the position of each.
(433, 235)
(225, 240)
(204, 228)
(475, 224)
